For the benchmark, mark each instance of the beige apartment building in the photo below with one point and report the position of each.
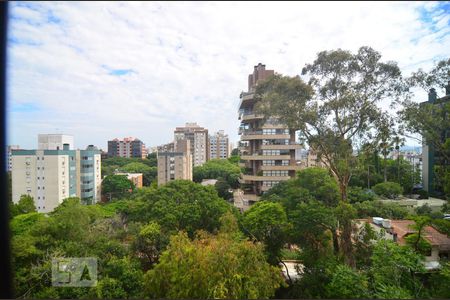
(219, 146)
(50, 176)
(267, 148)
(175, 165)
(198, 137)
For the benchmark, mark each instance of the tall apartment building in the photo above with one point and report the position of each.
(169, 147)
(9, 158)
(198, 137)
(175, 165)
(219, 146)
(50, 176)
(267, 148)
(432, 157)
(127, 147)
(54, 141)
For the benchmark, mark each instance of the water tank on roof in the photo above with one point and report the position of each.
(378, 220)
(387, 223)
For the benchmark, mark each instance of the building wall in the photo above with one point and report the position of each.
(54, 141)
(9, 159)
(219, 146)
(174, 166)
(50, 176)
(198, 137)
(127, 147)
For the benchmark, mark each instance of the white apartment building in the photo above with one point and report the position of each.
(219, 146)
(54, 141)
(198, 137)
(50, 176)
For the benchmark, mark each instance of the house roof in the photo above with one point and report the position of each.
(434, 237)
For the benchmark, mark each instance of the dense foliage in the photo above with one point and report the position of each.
(218, 168)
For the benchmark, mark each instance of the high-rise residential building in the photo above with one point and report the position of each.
(219, 146)
(9, 158)
(199, 141)
(50, 176)
(175, 165)
(267, 147)
(170, 147)
(127, 147)
(432, 157)
(54, 141)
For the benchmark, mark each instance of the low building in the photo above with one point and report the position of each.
(398, 230)
(175, 165)
(135, 178)
(50, 176)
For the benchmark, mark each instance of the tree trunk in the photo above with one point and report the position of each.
(346, 244)
(385, 168)
(398, 166)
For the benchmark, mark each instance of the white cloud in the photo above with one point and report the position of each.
(190, 61)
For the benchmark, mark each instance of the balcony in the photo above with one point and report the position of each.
(282, 168)
(266, 157)
(263, 178)
(247, 135)
(290, 146)
(246, 97)
(252, 116)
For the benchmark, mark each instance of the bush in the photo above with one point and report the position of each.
(422, 194)
(357, 194)
(388, 189)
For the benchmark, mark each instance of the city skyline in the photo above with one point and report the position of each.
(148, 68)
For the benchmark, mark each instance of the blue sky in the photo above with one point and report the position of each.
(100, 70)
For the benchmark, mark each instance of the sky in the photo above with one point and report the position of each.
(101, 70)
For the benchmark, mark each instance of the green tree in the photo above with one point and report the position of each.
(267, 222)
(337, 106)
(116, 186)
(379, 209)
(388, 189)
(149, 243)
(218, 168)
(212, 267)
(223, 189)
(149, 174)
(416, 240)
(395, 267)
(178, 205)
(319, 184)
(358, 194)
(24, 206)
(347, 283)
(152, 159)
(430, 120)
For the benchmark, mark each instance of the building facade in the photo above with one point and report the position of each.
(431, 157)
(9, 158)
(198, 137)
(219, 146)
(54, 141)
(127, 147)
(50, 176)
(267, 148)
(169, 147)
(175, 165)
